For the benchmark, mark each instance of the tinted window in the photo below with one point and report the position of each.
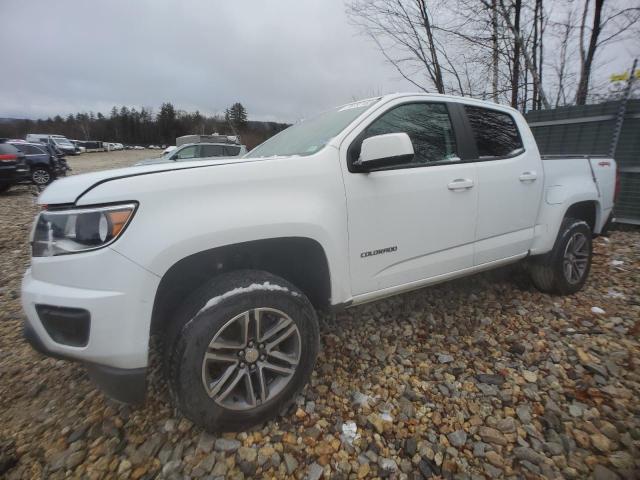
(495, 132)
(211, 151)
(186, 153)
(30, 149)
(427, 124)
(230, 151)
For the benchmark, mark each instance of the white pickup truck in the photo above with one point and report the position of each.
(229, 259)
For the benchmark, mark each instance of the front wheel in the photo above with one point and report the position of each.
(565, 269)
(247, 347)
(41, 176)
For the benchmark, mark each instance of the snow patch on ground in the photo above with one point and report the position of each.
(237, 291)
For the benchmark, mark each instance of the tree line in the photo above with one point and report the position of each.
(531, 54)
(133, 126)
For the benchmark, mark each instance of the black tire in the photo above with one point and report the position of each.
(4, 187)
(41, 175)
(195, 326)
(547, 272)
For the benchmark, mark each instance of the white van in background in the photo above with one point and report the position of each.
(59, 141)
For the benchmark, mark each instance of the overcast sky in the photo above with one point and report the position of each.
(283, 60)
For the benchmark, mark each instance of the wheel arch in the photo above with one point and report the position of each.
(587, 210)
(299, 260)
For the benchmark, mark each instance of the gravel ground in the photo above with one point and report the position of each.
(478, 378)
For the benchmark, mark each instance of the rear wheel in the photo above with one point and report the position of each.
(246, 348)
(4, 187)
(565, 269)
(41, 176)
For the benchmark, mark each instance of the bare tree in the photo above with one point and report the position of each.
(620, 20)
(494, 46)
(404, 33)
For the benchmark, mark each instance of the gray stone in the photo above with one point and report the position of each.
(75, 459)
(554, 448)
(490, 379)
(314, 472)
(530, 466)
(479, 449)
(524, 413)
(528, 454)
(171, 467)
(445, 358)
(226, 445)
(411, 446)
(205, 442)
(247, 454)
(457, 438)
(291, 463)
(219, 470)
(490, 390)
(492, 471)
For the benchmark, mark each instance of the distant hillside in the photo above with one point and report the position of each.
(140, 127)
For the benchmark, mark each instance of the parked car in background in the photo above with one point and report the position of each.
(60, 141)
(169, 149)
(197, 151)
(13, 166)
(43, 162)
(79, 147)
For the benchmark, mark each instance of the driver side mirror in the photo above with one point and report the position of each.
(385, 150)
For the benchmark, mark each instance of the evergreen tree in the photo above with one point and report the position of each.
(236, 114)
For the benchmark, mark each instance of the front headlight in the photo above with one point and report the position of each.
(59, 232)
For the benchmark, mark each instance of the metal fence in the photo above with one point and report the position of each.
(589, 130)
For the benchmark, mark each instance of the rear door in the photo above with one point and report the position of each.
(510, 182)
(413, 221)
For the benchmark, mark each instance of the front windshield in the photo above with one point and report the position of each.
(309, 136)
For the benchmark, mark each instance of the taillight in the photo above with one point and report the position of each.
(8, 157)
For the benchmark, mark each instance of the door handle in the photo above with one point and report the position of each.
(528, 176)
(460, 184)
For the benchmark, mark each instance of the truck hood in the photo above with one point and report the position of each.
(70, 189)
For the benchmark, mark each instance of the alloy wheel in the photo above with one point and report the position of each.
(40, 177)
(576, 258)
(251, 359)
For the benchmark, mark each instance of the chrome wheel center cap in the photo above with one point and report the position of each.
(251, 355)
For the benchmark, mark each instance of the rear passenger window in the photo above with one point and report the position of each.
(428, 126)
(231, 151)
(211, 150)
(496, 133)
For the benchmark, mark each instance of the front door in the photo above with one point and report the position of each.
(415, 221)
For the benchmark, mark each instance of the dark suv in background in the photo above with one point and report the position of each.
(45, 161)
(13, 166)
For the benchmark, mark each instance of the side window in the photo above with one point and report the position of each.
(496, 133)
(211, 151)
(31, 150)
(231, 151)
(186, 153)
(428, 126)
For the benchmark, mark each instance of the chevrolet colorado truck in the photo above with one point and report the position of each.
(228, 260)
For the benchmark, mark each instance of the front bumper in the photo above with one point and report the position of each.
(126, 385)
(117, 293)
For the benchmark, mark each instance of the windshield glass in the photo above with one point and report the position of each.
(61, 141)
(309, 136)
